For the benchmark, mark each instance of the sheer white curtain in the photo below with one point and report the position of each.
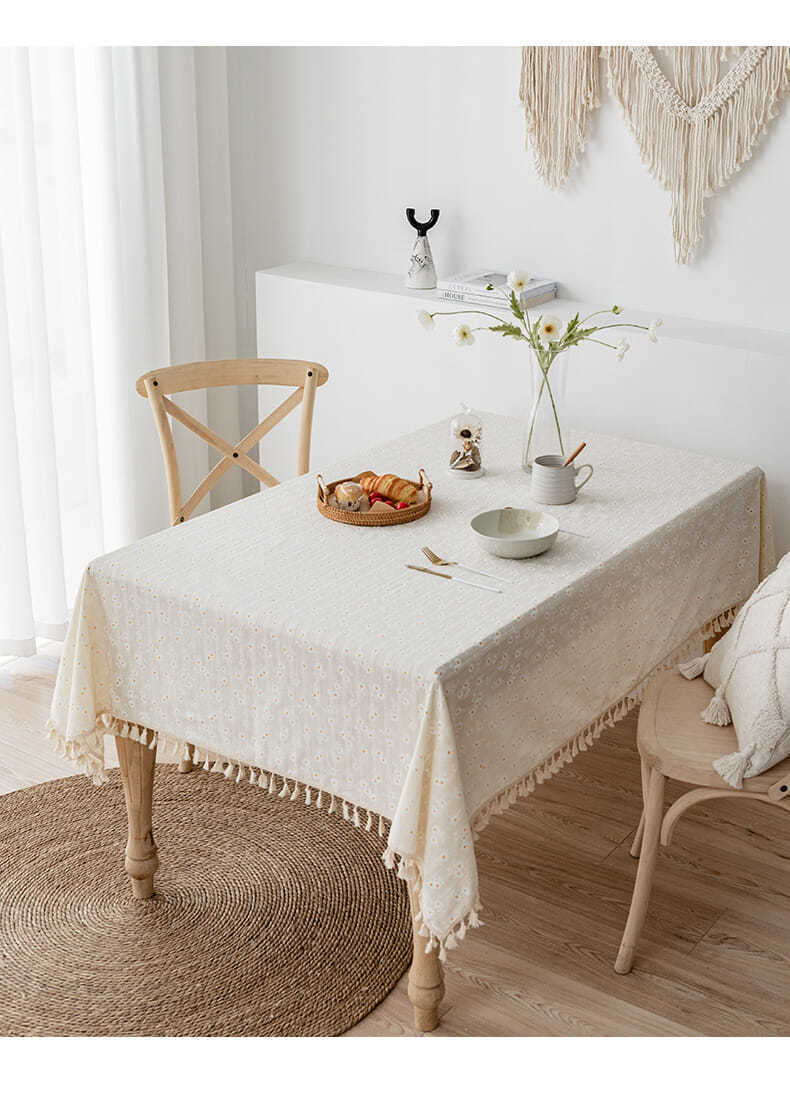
(103, 239)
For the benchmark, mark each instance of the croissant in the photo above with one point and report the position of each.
(390, 486)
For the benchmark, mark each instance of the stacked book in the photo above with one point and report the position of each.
(470, 289)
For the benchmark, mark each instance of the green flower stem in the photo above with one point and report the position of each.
(603, 327)
(554, 410)
(544, 384)
(534, 417)
(468, 312)
(599, 312)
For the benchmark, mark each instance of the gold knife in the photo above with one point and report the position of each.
(456, 579)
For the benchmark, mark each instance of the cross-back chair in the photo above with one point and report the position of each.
(159, 385)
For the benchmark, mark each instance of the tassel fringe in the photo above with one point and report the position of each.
(588, 736)
(93, 767)
(692, 150)
(560, 87)
(91, 763)
(717, 711)
(692, 669)
(733, 767)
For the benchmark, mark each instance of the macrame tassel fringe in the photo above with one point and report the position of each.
(717, 711)
(733, 767)
(692, 150)
(692, 669)
(560, 86)
(408, 869)
(697, 69)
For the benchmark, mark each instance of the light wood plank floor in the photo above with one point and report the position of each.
(556, 878)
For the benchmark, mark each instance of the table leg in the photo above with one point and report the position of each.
(137, 770)
(426, 982)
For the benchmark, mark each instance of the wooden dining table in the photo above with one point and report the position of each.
(274, 646)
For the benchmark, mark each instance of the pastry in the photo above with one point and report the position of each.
(390, 486)
(349, 495)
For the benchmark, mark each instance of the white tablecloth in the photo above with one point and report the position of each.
(302, 655)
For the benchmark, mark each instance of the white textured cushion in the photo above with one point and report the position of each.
(749, 668)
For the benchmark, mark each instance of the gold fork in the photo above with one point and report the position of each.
(432, 557)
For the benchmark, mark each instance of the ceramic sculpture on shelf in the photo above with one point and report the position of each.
(422, 273)
(466, 431)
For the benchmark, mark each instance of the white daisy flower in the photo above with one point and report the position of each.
(518, 281)
(550, 329)
(621, 349)
(463, 335)
(652, 331)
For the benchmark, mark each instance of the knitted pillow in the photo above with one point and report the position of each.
(749, 668)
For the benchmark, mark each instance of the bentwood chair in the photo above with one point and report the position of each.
(674, 742)
(159, 385)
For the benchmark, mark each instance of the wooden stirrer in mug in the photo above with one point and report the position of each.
(574, 455)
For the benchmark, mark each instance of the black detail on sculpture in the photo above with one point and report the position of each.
(422, 227)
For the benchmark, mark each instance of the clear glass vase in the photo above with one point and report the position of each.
(543, 427)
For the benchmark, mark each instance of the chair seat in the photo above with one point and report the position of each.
(673, 738)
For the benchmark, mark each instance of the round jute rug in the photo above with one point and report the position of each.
(270, 918)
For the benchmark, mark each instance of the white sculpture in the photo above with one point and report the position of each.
(422, 273)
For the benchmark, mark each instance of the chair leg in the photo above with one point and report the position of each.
(137, 770)
(426, 981)
(636, 845)
(654, 810)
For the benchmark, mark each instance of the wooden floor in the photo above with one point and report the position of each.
(555, 879)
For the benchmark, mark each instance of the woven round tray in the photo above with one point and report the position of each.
(373, 518)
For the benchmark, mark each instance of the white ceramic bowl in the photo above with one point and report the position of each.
(515, 533)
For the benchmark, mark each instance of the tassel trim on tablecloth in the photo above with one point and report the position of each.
(560, 757)
(230, 769)
(407, 869)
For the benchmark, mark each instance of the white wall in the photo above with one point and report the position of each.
(331, 144)
(328, 146)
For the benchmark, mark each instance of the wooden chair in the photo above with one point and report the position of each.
(674, 742)
(158, 385)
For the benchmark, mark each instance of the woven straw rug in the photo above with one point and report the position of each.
(270, 918)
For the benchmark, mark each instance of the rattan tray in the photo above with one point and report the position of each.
(373, 518)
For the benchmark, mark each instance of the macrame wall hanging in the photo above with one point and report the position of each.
(693, 132)
(560, 86)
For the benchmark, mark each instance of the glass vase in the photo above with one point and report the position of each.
(543, 427)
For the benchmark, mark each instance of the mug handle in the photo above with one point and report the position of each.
(579, 470)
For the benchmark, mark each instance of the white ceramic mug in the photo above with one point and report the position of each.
(553, 482)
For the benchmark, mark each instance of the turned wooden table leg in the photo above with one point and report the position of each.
(426, 982)
(137, 770)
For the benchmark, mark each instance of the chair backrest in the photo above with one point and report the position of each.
(157, 385)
